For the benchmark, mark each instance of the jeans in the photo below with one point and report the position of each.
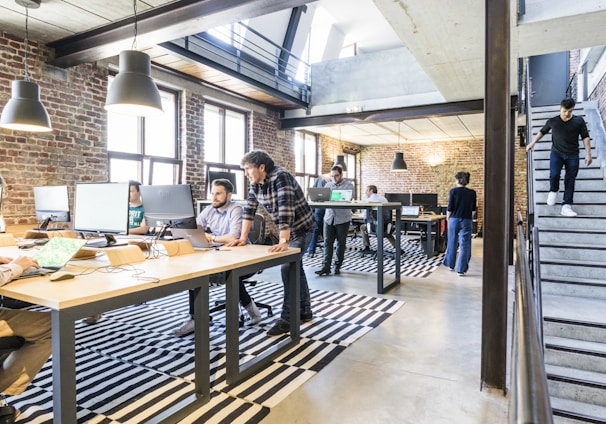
(571, 165)
(318, 228)
(459, 235)
(301, 242)
(332, 232)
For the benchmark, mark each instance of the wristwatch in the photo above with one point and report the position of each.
(283, 240)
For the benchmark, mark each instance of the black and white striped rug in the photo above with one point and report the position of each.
(130, 366)
(413, 260)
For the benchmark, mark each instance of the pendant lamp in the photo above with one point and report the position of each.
(399, 164)
(133, 91)
(340, 159)
(24, 111)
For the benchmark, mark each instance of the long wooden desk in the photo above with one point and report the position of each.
(381, 287)
(94, 293)
(428, 220)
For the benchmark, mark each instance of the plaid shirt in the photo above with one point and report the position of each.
(281, 196)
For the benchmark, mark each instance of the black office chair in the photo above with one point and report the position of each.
(9, 344)
(388, 229)
(256, 235)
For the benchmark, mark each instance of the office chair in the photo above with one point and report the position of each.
(388, 229)
(10, 344)
(256, 235)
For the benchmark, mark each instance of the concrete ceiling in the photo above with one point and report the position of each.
(445, 37)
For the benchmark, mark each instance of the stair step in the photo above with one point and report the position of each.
(571, 286)
(575, 309)
(558, 222)
(555, 250)
(594, 171)
(576, 412)
(579, 385)
(573, 235)
(574, 329)
(573, 353)
(574, 268)
(541, 186)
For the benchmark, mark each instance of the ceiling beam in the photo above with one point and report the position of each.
(157, 25)
(399, 114)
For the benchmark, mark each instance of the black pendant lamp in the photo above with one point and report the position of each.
(24, 111)
(340, 159)
(399, 164)
(133, 91)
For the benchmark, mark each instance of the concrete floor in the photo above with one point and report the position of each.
(422, 365)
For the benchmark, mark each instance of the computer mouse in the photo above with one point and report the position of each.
(61, 275)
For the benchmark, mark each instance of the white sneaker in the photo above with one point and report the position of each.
(185, 329)
(567, 211)
(253, 312)
(551, 198)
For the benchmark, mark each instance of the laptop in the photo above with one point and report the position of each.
(341, 195)
(54, 255)
(411, 211)
(196, 237)
(319, 194)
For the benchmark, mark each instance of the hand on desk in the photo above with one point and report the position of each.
(236, 242)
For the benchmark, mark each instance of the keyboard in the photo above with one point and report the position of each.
(36, 272)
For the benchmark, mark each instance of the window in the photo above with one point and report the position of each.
(225, 142)
(306, 159)
(132, 142)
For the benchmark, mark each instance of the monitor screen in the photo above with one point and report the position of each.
(101, 207)
(170, 205)
(51, 203)
(403, 198)
(425, 199)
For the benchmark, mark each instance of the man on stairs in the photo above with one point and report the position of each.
(564, 152)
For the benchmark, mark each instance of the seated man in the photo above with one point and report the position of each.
(18, 369)
(223, 223)
(372, 196)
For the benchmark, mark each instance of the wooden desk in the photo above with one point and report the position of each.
(99, 292)
(381, 287)
(428, 220)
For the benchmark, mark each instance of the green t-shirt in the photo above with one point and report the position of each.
(135, 216)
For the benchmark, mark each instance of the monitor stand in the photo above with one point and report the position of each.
(110, 241)
(44, 225)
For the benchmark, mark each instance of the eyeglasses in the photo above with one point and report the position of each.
(335, 175)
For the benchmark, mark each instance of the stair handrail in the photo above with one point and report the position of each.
(529, 395)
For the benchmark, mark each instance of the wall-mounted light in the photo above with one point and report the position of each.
(24, 111)
(399, 164)
(133, 91)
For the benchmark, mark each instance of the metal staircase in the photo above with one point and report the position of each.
(572, 257)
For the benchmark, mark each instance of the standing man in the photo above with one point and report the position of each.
(336, 225)
(277, 191)
(222, 221)
(564, 152)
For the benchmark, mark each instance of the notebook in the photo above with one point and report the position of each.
(410, 211)
(54, 255)
(341, 195)
(196, 237)
(319, 194)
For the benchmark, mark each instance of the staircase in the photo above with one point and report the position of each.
(573, 279)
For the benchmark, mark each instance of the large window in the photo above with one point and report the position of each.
(225, 141)
(133, 143)
(306, 159)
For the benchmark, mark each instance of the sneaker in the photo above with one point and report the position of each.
(461, 274)
(280, 327)
(93, 319)
(367, 251)
(323, 272)
(567, 211)
(253, 312)
(337, 271)
(551, 198)
(185, 329)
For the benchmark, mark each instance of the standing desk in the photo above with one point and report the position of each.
(381, 287)
(102, 291)
(429, 220)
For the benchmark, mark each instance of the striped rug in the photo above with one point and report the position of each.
(413, 260)
(130, 366)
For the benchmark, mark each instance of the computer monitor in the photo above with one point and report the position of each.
(403, 198)
(169, 206)
(52, 204)
(425, 199)
(102, 208)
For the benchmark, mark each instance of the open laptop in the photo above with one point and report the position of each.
(319, 194)
(54, 255)
(411, 211)
(341, 195)
(196, 237)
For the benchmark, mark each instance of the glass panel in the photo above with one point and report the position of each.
(160, 134)
(122, 133)
(235, 136)
(164, 173)
(310, 154)
(212, 134)
(121, 170)
(299, 159)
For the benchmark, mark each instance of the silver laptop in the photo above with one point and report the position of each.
(319, 194)
(341, 195)
(54, 255)
(196, 237)
(410, 211)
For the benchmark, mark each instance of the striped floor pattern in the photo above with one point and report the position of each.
(413, 260)
(129, 366)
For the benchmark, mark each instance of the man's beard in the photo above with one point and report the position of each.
(218, 205)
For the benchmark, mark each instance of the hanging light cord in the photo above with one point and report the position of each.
(26, 43)
(134, 45)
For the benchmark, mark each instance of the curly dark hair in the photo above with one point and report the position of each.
(462, 177)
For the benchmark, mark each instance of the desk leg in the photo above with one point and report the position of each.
(428, 246)
(201, 341)
(64, 367)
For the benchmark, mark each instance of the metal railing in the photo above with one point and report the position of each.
(529, 395)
